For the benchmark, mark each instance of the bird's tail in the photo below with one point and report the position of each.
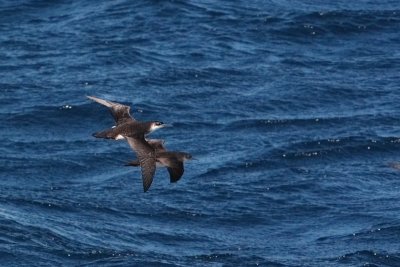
(134, 163)
(107, 134)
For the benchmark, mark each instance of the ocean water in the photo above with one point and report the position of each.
(291, 109)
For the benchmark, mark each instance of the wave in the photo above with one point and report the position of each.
(371, 257)
(232, 258)
(353, 146)
(333, 23)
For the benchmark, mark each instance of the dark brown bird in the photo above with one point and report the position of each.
(172, 160)
(126, 125)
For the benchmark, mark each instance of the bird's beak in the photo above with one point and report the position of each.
(167, 125)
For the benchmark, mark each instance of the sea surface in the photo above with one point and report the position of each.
(291, 109)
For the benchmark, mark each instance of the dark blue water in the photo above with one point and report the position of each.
(292, 109)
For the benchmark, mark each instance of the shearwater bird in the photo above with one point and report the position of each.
(134, 132)
(126, 125)
(172, 160)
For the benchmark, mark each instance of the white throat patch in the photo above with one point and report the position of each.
(155, 127)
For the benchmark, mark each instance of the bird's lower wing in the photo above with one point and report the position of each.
(175, 171)
(148, 168)
(146, 155)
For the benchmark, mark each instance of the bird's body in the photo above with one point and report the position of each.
(126, 125)
(127, 129)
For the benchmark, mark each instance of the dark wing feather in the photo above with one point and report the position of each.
(148, 167)
(146, 155)
(175, 171)
(119, 112)
(135, 163)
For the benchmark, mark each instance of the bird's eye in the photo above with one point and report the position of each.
(158, 123)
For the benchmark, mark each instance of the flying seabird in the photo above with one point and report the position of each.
(126, 125)
(134, 132)
(172, 160)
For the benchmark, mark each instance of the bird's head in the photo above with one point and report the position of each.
(155, 125)
(187, 156)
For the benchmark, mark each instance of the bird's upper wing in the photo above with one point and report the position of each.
(157, 144)
(146, 156)
(119, 111)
